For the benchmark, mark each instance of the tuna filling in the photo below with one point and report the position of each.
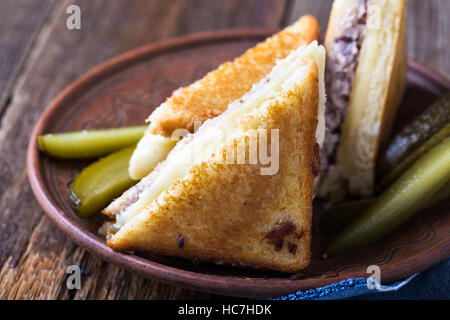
(342, 62)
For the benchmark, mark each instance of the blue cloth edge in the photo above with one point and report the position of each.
(344, 289)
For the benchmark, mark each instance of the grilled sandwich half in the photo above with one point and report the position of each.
(210, 96)
(365, 76)
(207, 202)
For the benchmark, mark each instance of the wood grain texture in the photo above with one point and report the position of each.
(17, 34)
(40, 57)
(33, 253)
(429, 33)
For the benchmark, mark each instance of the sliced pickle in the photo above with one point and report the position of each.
(416, 187)
(343, 214)
(409, 160)
(89, 143)
(422, 128)
(98, 184)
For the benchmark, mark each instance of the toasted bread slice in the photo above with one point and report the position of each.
(200, 205)
(375, 92)
(210, 96)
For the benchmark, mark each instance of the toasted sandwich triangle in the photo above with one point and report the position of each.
(233, 214)
(210, 96)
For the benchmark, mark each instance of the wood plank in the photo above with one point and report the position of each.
(428, 28)
(429, 33)
(18, 29)
(318, 8)
(34, 254)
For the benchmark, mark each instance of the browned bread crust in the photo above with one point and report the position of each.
(210, 96)
(231, 213)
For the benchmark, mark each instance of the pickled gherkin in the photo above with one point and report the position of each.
(89, 143)
(98, 184)
(422, 128)
(409, 160)
(345, 213)
(426, 177)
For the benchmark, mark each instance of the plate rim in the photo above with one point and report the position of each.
(223, 285)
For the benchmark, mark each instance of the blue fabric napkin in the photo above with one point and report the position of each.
(433, 284)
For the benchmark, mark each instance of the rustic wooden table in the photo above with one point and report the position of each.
(39, 56)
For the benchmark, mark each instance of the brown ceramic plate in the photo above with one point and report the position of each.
(124, 90)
